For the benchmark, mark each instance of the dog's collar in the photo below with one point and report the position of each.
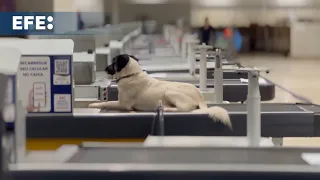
(124, 77)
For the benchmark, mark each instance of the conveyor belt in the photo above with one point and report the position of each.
(278, 120)
(194, 79)
(163, 172)
(176, 163)
(233, 90)
(185, 172)
(227, 74)
(190, 155)
(164, 53)
(173, 65)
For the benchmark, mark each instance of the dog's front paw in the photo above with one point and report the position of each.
(95, 105)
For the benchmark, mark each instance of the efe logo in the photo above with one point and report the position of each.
(39, 22)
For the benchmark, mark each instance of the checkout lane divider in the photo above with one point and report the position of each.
(293, 94)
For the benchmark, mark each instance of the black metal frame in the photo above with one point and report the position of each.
(140, 125)
(161, 175)
(2, 161)
(3, 157)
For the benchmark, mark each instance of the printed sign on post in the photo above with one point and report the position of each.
(44, 73)
(61, 72)
(34, 79)
(43, 79)
(62, 102)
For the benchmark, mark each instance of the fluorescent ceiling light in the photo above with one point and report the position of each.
(149, 1)
(215, 2)
(292, 2)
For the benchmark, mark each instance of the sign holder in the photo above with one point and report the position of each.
(45, 73)
(9, 108)
(45, 82)
(3, 149)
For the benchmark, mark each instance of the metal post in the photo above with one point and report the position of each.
(168, 35)
(253, 106)
(191, 59)
(160, 110)
(125, 44)
(203, 68)
(3, 157)
(161, 119)
(150, 45)
(115, 12)
(129, 44)
(184, 47)
(121, 49)
(20, 134)
(110, 56)
(114, 51)
(176, 41)
(203, 65)
(218, 78)
(253, 110)
(3, 162)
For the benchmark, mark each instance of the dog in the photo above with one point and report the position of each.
(140, 92)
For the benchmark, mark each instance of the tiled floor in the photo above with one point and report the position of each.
(298, 75)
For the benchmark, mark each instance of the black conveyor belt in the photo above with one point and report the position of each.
(233, 90)
(186, 174)
(278, 120)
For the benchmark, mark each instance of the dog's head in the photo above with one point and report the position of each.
(124, 64)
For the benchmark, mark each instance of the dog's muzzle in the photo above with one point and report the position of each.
(110, 70)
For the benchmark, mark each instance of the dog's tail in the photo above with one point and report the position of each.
(216, 113)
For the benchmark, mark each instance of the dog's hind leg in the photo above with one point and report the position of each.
(181, 102)
(110, 105)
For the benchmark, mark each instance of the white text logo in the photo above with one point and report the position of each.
(32, 22)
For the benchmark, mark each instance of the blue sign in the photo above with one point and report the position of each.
(37, 23)
(19, 23)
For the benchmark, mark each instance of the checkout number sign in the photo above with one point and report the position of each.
(46, 83)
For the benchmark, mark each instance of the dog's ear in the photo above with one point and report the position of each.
(120, 62)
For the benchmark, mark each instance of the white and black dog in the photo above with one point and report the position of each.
(140, 92)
